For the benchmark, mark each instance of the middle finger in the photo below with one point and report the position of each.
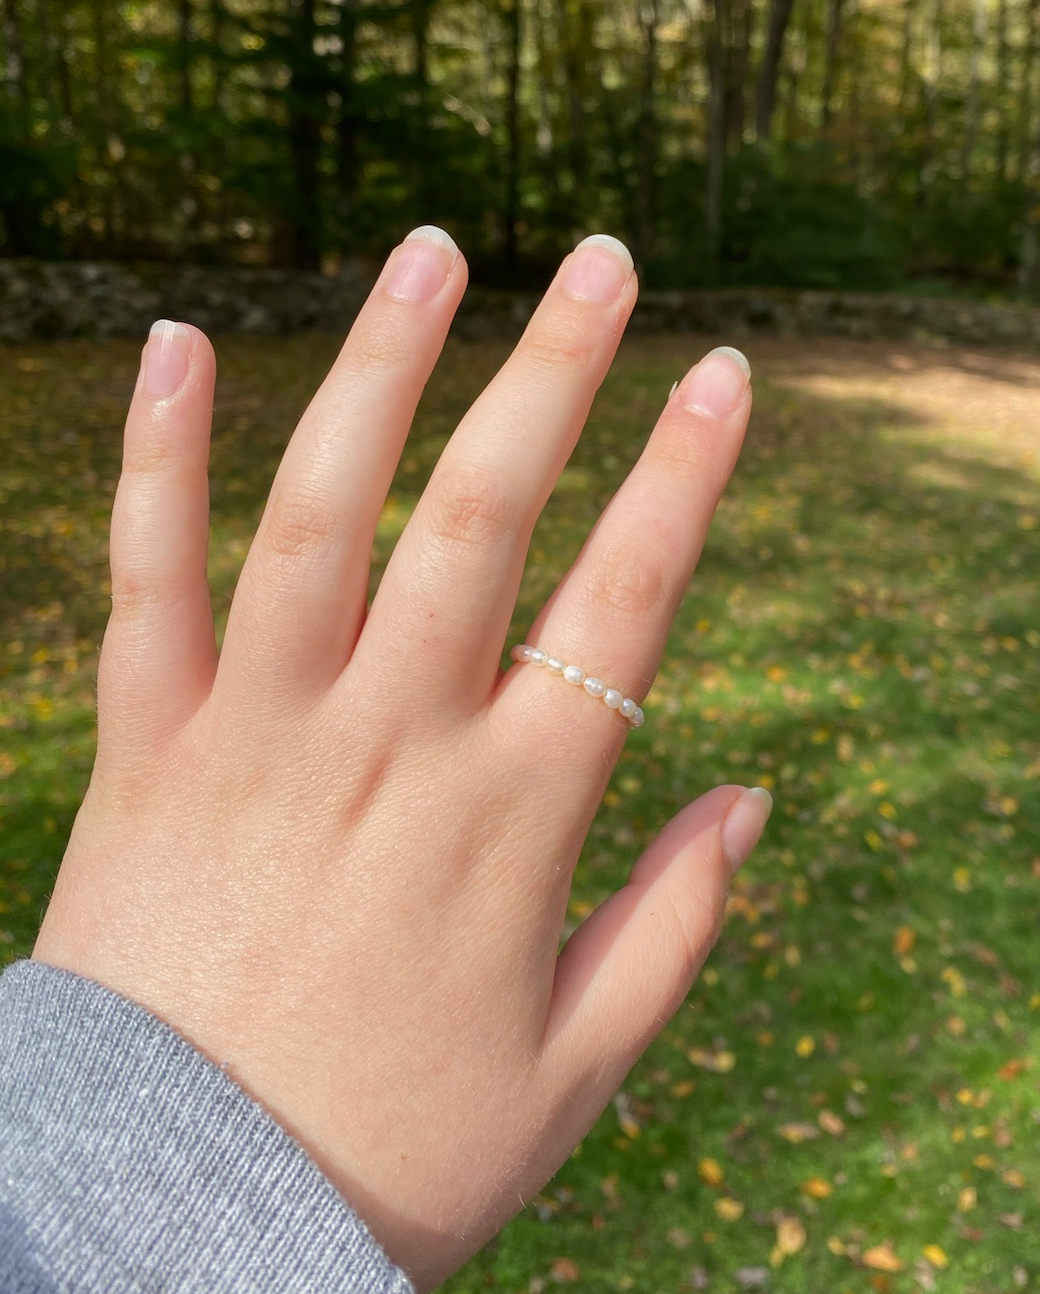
(453, 578)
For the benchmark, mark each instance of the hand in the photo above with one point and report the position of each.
(337, 858)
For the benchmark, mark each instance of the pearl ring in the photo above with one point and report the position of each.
(577, 677)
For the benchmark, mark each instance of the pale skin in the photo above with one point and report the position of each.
(337, 857)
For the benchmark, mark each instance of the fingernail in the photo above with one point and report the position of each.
(597, 270)
(419, 268)
(166, 359)
(717, 385)
(744, 824)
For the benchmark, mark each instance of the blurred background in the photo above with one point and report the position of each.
(827, 143)
(849, 1100)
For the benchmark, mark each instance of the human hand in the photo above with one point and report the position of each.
(338, 858)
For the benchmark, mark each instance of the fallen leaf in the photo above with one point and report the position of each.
(565, 1270)
(805, 1047)
(798, 1132)
(711, 1173)
(882, 1258)
(729, 1210)
(967, 1199)
(830, 1122)
(818, 1188)
(935, 1256)
(1014, 1178)
(790, 1236)
(903, 943)
(1012, 1069)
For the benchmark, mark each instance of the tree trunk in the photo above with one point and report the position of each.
(716, 50)
(511, 212)
(737, 43)
(830, 67)
(768, 74)
(930, 83)
(1030, 163)
(971, 106)
(10, 22)
(306, 103)
(184, 55)
(1000, 91)
(1025, 97)
(647, 132)
(906, 61)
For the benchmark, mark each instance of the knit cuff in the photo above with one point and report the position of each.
(129, 1162)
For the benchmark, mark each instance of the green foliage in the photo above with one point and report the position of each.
(303, 131)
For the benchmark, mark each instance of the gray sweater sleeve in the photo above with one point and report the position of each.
(129, 1164)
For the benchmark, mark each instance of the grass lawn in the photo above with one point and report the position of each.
(850, 1098)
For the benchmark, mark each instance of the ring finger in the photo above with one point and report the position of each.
(612, 612)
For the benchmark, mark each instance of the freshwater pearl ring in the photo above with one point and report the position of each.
(577, 677)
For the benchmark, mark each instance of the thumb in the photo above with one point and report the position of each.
(627, 968)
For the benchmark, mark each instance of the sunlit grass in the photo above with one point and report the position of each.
(855, 1076)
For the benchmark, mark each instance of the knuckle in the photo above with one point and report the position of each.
(624, 584)
(470, 506)
(303, 525)
(134, 591)
(562, 342)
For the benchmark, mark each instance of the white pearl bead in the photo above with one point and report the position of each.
(637, 718)
(628, 707)
(595, 686)
(574, 674)
(613, 698)
(554, 665)
(521, 653)
(538, 657)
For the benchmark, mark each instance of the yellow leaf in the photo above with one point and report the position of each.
(984, 1162)
(957, 984)
(830, 1122)
(684, 1088)
(729, 1210)
(629, 1126)
(836, 1245)
(935, 1255)
(961, 880)
(711, 1172)
(967, 1199)
(882, 1258)
(1014, 1178)
(818, 1188)
(790, 1236)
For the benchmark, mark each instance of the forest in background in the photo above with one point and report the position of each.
(820, 143)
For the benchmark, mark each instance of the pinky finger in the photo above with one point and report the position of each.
(159, 653)
(626, 970)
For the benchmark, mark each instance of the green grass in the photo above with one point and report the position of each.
(862, 637)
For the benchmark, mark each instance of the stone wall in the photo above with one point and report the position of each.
(77, 299)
